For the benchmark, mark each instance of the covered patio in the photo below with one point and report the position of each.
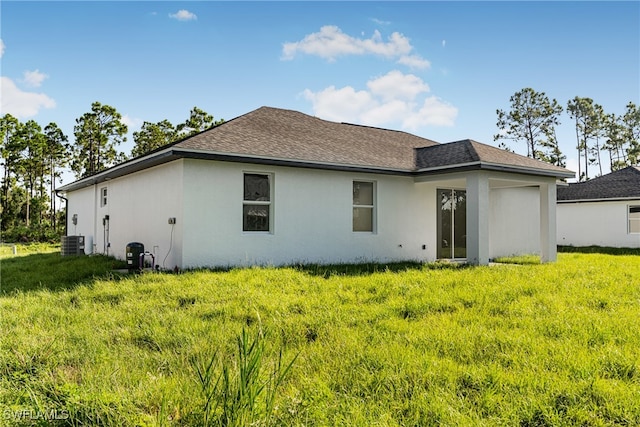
(476, 221)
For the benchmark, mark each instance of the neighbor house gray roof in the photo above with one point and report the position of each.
(290, 138)
(621, 184)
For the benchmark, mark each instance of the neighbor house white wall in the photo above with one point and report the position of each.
(312, 218)
(514, 221)
(596, 223)
(139, 206)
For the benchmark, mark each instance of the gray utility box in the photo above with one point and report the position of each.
(72, 245)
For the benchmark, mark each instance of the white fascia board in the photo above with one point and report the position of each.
(533, 171)
(499, 167)
(447, 167)
(103, 175)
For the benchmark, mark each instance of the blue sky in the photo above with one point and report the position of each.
(436, 69)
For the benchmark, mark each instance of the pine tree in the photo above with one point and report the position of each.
(97, 134)
(532, 119)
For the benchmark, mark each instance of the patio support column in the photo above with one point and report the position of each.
(548, 248)
(478, 218)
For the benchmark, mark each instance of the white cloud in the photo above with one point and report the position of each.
(330, 42)
(22, 104)
(340, 105)
(183, 15)
(380, 22)
(132, 122)
(386, 113)
(414, 61)
(396, 85)
(391, 100)
(434, 112)
(34, 78)
(1, 48)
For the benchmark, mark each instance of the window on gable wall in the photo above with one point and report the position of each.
(634, 219)
(363, 206)
(256, 205)
(103, 196)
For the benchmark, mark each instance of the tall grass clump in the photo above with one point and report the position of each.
(238, 392)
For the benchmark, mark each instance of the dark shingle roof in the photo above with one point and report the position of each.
(466, 152)
(621, 184)
(285, 134)
(285, 137)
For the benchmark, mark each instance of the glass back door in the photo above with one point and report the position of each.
(452, 224)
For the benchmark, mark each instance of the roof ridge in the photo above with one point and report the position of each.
(266, 107)
(607, 176)
(472, 149)
(375, 127)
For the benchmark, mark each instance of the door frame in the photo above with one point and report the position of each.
(455, 251)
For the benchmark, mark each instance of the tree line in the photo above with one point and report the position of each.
(533, 119)
(33, 159)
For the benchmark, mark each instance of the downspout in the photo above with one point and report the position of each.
(66, 209)
(95, 217)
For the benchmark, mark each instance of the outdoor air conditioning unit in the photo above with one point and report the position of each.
(72, 245)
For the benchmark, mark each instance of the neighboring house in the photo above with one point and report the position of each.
(276, 187)
(604, 211)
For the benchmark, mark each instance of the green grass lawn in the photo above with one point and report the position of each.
(18, 249)
(408, 344)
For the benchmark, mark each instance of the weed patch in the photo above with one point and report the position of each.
(239, 392)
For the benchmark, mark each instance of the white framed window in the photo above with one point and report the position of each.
(634, 219)
(103, 196)
(364, 202)
(257, 206)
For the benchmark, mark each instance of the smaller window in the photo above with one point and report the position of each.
(634, 219)
(103, 196)
(256, 205)
(363, 206)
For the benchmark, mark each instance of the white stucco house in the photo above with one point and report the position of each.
(275, 187)
(604, 211)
